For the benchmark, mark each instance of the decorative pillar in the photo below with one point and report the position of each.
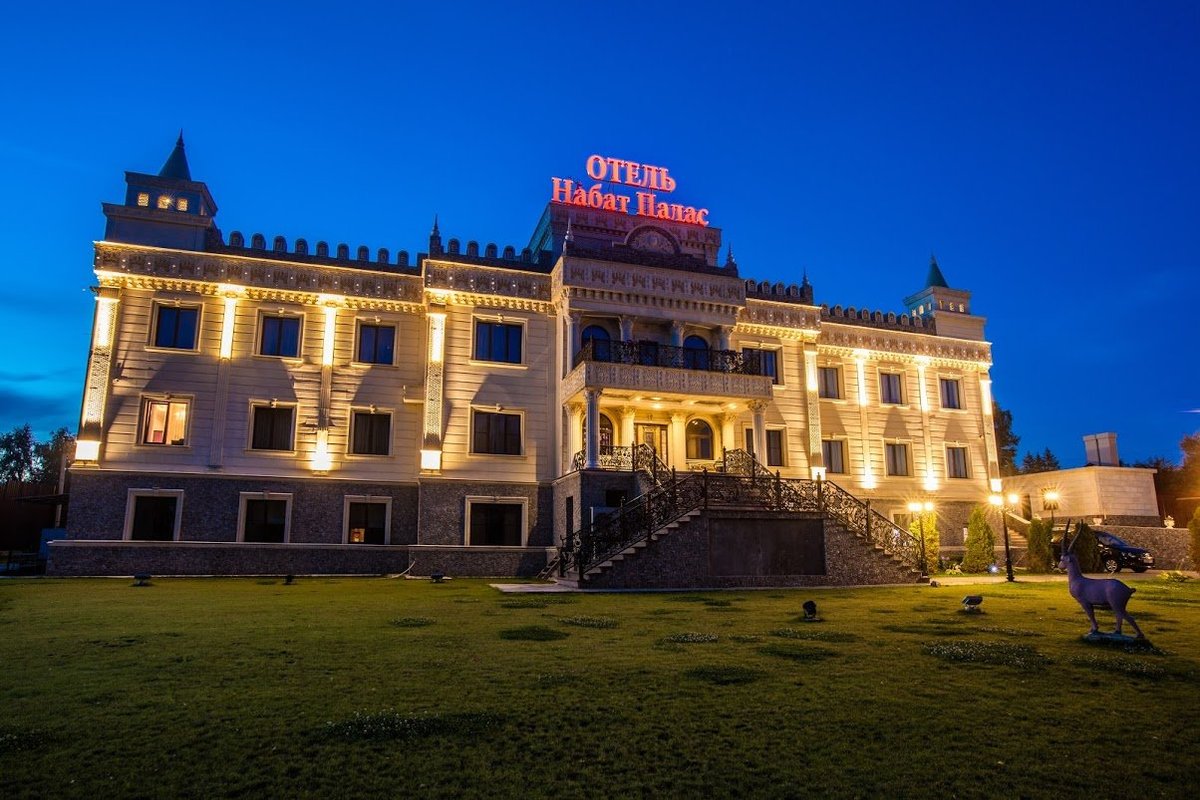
(988, 422)
(723, 332)
(759, 409)
(678, 441)
(729, 431)
(99, 371)
(574, 432)
(627, 426)
(860, 368)
(574, 336)
(677, 334)
(431, 443)
(216, 441)
(592, 446)
(930, 483)
(322, 459)
(812, 403)
(626, 328)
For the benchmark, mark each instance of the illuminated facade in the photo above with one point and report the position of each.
(255, 408)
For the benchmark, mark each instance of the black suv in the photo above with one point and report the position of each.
(1115, 554)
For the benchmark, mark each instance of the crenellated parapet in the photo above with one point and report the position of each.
(320, 255)
(878, 319)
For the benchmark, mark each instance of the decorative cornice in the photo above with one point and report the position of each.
(784, 320)
(138, 266)
(843, 340)
(642, 285)
(475, 284)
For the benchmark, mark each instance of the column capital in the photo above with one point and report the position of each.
(676, 326)
(576, 409)
(679, 416)
(593, 393)
(757, 406)
(628, 411)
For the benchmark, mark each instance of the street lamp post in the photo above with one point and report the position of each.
(1050, 503)
(920, 509)
(1003, 503)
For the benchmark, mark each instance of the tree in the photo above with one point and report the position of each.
(1038, 553)
(1085, 547)
(1194, 529)
(1172, 481)
(981, 542)
(50, 456)
(17, 454)
(1042, 462)
(1006, 440)
(931, 535)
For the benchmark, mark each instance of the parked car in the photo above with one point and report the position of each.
(1115, 553)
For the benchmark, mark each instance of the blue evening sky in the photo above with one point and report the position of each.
(1046, 152)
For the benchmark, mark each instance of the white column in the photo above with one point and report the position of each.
(816, 457)
(678, 441)
(729, 431)
(723, 332)
(677, 334)
(759, 408)
(592, 445)
(869, 480)
(626, 328)
(575, 334)
(431, 441)
(99, 370)
(931, 482)
(988, 422)
(627, 427)
(574, 431)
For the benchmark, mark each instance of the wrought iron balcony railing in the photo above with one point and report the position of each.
(652, 354)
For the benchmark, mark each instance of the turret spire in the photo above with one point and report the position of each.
(176, 166)
(935, 274)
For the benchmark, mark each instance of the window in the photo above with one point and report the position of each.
(280, 336)
(181, 204)
(372, 434)
(762, 362)
(950, 394)
(897, 458)
(153, 515)
(956, 462)
(695, 353)
(164, 202)
(606, 434)
(829, 382)
(890, 388)
(367, 520)
(834, 453)
(272, 428)
(376, 344)
(265, 517)
(143, 199)
(774, 448)
(175, 327)
(165, 422)
(498, 341)
(699, 440)
(495, 524)
(496, 433)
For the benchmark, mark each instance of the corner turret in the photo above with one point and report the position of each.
(951, 308)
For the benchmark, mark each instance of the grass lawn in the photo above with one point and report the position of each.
(353, 687)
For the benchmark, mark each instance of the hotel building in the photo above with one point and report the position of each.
(258, 406)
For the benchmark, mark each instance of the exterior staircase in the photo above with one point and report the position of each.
(739, 483)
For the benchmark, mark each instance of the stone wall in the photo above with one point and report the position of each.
(211, 504)
(486, 562)
(588, 488)
(84, 557)
(1170, 546)
(443, 509)
(680, 560)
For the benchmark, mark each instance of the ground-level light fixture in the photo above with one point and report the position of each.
(972, 603)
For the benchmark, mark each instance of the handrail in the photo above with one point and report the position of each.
(744, 482)
(653, 354)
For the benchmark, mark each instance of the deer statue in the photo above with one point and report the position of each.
(1093, 593)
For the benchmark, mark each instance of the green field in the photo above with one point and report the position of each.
(357, 687)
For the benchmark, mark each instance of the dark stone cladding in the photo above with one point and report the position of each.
(680, 560)
(1171, 547)
(210, 505)
(81, 557)
(589, 488)
(443, 508)
(483, 562)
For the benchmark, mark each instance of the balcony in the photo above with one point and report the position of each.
(665, 370)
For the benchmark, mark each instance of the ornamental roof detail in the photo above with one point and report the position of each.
(844, 340)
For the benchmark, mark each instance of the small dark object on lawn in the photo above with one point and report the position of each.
(437, 577)
(810, 612)
(934, 584)
(972, 603)
(141, 579)
(289, 580)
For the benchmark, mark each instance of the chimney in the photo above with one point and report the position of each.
(1101, 449)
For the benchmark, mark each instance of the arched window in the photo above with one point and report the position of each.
(601, 350)
(695, 353)
(606, 434)
(699, 440)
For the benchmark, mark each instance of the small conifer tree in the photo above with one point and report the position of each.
(932, 537)
(1194, 528)
(981, 542)
(1085, 547)
(1038, 554)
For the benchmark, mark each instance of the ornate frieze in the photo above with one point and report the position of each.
(473, 284)
(844, 340)
(153, 268)
(640, 285)
(657, 380)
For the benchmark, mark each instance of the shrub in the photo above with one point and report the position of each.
(981, 542)
(1038, 556)
(532, 633)
(1194, 529)
(589, 622)
(932, 538)
(723, 676)
(1085, 547)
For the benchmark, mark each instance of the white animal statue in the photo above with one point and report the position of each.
(1093, 593)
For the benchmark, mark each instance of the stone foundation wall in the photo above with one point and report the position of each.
(680, 560)
(1170, 546)
(211, 504)
(86, 557)
(588, 488)
(477, 561)
(443, 509)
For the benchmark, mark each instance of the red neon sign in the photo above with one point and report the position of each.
(627, 173)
